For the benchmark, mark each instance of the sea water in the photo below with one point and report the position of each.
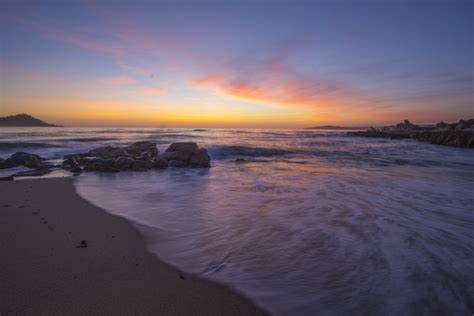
(311, 223)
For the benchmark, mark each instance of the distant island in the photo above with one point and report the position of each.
(332, 127)
(23, 120)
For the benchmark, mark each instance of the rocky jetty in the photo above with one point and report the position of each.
(139, 156)
(459, 134)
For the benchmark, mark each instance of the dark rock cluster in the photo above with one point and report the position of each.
(139, 156)
(459, 134)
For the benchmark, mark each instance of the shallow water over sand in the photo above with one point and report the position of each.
(312, 223)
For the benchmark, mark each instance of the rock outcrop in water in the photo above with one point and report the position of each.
(38, 164)
(459, 134)
(139, 156)
(23, 159)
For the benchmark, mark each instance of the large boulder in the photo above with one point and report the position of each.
(137, 149)
(200, 158)
(184, 147)
(25, 159)
(176, 155)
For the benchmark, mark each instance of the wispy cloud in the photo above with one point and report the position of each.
(119, 80)
(71, 38)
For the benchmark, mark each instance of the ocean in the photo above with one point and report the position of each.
(313, 222)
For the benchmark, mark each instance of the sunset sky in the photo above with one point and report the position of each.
(239, 64)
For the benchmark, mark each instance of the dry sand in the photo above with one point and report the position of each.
(42, 272)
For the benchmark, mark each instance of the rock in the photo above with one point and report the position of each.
(462, 124)
(459, 134)
(141, 165)
(32, 173)
(124, 163)
(25, 159)
(145, 156)
(177, 163)
(8, 178)
(107, 152)
(138, 156)
(76, 170)
(200, 158)
(176, 155)
(184, 147)
(101, 164)
(69, 163)
(138, 148)
(372, 132)
(458, 138)
(5, 163)
(240, 160)
(443, 125)
(159, 163)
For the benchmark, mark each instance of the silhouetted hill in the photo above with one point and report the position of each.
(23, 120)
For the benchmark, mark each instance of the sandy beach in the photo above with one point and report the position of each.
(43, 270)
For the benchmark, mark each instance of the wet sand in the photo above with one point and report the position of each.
(43, 271)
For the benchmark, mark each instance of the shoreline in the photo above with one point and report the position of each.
(44, 271)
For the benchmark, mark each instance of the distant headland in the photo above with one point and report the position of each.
(460, 134)
(24, 120)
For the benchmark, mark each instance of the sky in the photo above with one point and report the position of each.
(237, 63)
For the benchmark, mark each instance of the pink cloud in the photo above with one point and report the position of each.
(154, 90)
(273, 82)
(119, 80)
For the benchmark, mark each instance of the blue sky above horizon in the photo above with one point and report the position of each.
(246, 63)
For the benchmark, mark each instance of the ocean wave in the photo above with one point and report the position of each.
(10, 145)
(89, 139)
(221, 152)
